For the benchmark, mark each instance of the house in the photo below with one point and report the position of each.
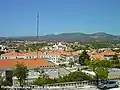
(102, 55)
(108, 54)
(95, 55)
(59, 46)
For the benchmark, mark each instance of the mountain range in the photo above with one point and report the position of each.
(80, 37)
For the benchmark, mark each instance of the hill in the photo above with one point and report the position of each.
(80, 37)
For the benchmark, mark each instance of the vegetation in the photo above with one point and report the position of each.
(2, 52)
(115, 61)
(71, 63)
(3, 82)
(117, 51)
(73, 76)
(97, 45)
(83, 56)
(62, 65)
(99, 67)
(31, 47)
(17, 50)
(21, 72)
(79, 47)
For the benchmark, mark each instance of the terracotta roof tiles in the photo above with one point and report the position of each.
(27, 62)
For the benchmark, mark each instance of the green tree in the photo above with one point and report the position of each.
(83, 56)
(115, 57)
(99, 67)
(27, 49)
(71, 63)
(102, 73)
(43, 78)
(17, 51)
(115, 60)
(1, 52)
(41, 72)
(1, 80)
(21, 72)
(73, 76)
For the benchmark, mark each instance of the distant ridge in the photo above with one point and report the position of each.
(80, 37)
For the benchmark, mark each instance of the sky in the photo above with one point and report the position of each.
(18, 17)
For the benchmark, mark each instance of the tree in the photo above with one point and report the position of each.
(71, 63)
(115, 59)
(21, 72)
(1, 80)
(1, 52)
(17, 51)
(83, 56)
(27, 49)
(41, 72)
(102, 73)
(43, 78)
(100, 68)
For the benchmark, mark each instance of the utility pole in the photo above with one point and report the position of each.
(37, 31)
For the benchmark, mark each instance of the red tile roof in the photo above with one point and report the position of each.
(13, 54)
(26, 62)
(108, 52)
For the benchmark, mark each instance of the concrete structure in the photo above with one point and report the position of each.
(54, 56)
(53, 71)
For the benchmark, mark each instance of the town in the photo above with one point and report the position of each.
(59, 44)
(51, 63)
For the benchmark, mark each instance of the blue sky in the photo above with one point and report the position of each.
(18, 17)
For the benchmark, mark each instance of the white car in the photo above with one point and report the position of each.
(108, 84)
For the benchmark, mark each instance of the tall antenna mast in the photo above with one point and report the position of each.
(37, 31)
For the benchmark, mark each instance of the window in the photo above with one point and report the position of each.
(111, 82)
(5, 57)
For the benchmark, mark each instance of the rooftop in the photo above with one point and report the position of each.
(26, 62)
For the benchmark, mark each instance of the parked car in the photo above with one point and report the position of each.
(108, 84)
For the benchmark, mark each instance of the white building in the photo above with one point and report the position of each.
(7, 66)
(3, 48)
(31, 55)
(59, 46)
